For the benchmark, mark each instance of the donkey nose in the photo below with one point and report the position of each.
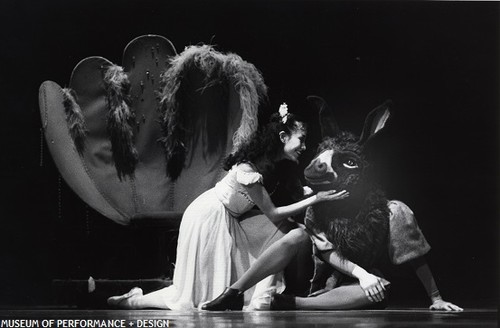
(320, 166)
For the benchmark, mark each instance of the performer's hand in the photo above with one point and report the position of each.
(373, 286)
(331, 195)
(441, 305)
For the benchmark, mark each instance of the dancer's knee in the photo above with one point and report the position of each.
(295, 236)
(294, 239)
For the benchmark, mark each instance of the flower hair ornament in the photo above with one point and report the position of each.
(283, 111)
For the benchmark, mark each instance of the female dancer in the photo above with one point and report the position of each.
(212, 249)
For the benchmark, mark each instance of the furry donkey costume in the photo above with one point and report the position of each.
(358, 226)
(365, 225)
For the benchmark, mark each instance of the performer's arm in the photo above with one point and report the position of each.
(425, 276)
(262, 199)
(373, 286)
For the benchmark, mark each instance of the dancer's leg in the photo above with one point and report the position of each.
(273, 260)
(299, 272)
(340, 298)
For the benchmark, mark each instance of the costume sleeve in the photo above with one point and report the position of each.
(406, 240)
(425, 276)
(246, 175)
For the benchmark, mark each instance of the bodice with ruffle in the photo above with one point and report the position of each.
(231, 191)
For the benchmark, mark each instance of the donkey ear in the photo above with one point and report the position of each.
(329, 126)
(375, 121)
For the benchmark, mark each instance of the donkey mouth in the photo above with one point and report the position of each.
(321, 180)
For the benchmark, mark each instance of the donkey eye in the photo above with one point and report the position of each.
(350, 164)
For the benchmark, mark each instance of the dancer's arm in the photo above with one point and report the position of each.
(372, 285)
(425, 276)
(262, 199)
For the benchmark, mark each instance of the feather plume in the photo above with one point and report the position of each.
(75, 119)
(251, 88)
(120, 120)
(181, 126)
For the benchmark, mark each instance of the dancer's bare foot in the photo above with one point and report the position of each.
(124, 301)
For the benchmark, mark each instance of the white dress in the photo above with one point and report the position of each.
(215, 247)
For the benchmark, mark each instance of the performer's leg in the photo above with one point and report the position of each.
(272, 260)
(340, 298)
(299, 272)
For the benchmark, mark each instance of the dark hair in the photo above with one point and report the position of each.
(265, 144)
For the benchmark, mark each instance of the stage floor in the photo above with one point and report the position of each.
(410, 317)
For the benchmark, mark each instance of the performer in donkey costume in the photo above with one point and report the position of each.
(349, 234)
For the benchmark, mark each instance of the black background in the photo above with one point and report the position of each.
(438, 62)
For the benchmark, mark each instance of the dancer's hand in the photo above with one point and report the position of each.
(440, 304)
(331, 195)
(373, 286)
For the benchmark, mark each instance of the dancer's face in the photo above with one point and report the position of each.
(293, 144)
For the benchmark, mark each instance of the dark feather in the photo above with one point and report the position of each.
(194, 102)
(120, 121)
(75, 119)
